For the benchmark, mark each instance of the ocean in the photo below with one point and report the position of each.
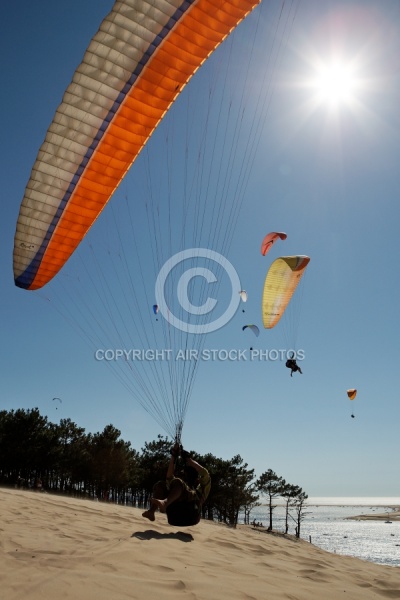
(326, 524)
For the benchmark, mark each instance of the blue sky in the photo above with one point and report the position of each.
(325, 173)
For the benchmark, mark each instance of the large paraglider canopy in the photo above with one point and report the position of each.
(270, 240)
(144, 53)
(185, 191)
(280, 284)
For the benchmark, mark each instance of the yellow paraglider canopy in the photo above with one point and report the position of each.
(280, 284)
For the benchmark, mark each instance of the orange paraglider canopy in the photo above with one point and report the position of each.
(270, 240)
(143, 55)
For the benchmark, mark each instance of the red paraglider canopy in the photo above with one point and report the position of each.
(270, 239)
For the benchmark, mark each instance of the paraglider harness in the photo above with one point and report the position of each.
(292, 364)
(185, 513)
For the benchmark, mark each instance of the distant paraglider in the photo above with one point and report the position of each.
(253, 328)
(270, 240)
(57, 400)
(352, 393)
(243, 297)
(280, 284)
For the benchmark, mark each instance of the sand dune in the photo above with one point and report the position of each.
(63, 548)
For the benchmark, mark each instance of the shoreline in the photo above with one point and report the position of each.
(387, 516)
(392, 514)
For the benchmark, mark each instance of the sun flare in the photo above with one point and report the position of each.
(335, 84)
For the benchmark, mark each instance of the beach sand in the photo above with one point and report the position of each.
(63, 548)
(393, 515)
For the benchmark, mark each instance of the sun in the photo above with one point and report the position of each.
(334, 84)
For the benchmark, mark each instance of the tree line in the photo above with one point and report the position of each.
(36, 453)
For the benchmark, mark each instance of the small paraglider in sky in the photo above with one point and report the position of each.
(155, 309)
(57, 400)
(253, 328)
(243, 296)
(352, 393)
(270, 240)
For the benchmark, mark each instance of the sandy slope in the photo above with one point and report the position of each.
(62, 548)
